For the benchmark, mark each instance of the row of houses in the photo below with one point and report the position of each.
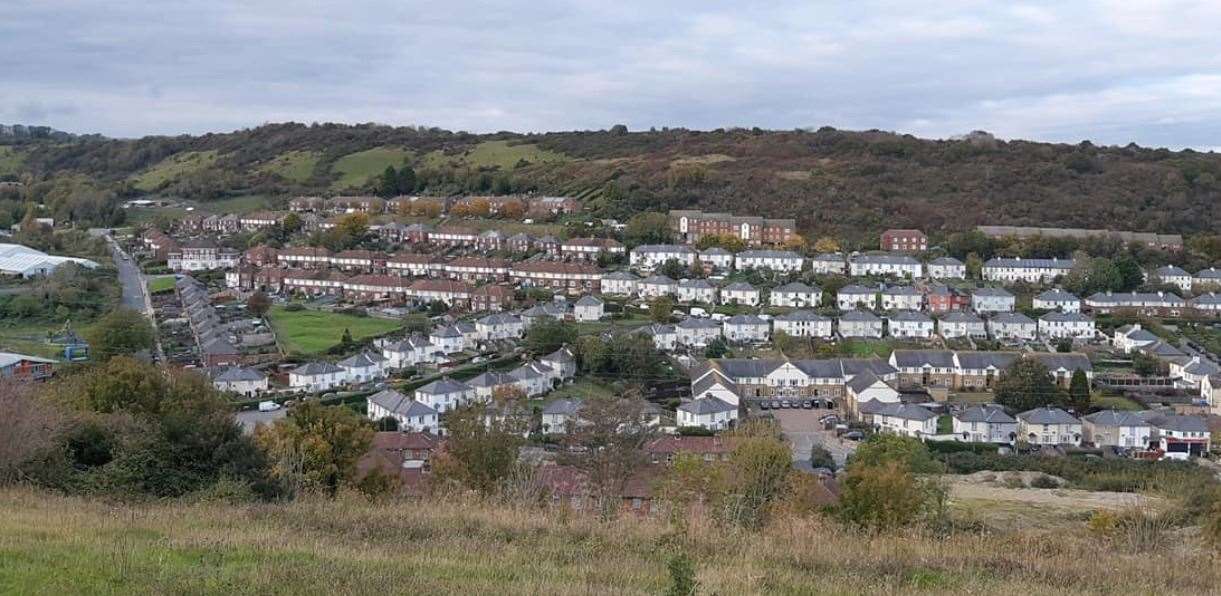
(405, 204)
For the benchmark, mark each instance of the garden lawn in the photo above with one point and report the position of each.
(157, 285)
(315, 331)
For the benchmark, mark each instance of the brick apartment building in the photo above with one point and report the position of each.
(904, 240)
(689, 226)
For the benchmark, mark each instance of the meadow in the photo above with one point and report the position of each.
(357, 169)
(315, 331)
(173, 167)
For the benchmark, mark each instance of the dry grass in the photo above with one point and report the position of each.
(51, 544)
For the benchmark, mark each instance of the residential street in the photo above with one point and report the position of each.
(803, 431)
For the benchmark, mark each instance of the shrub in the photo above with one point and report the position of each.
(821, 458)
(881, 497)
(682, 576)
(1044, 481)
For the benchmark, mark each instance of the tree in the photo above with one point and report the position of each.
(122, 332)
(826, 244)
(316, 446)
(717, 348)
(882, 449)
(407, 180)
(728, 242)
(607, 445)
(672, 268)
(821, 458)
(682, 576)
(795, 243)
(1130, 274)
(389, 184)
(258, 303)
(549, 335)
(481, 444)
(417, 323)
(1147, 366)
(1079, 393)
(30, 428)
(881, 497)
(647, 228)
(661, 309)
(759, 464)
(1064, 345)
(513, 209)
(1026, 385)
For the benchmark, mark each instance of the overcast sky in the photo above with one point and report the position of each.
(1114, 72)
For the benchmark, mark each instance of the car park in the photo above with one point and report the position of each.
(764, 405)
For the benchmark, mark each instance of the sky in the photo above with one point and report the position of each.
(1108, 71)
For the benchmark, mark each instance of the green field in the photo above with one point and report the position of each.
(172, 167)
(10, 160)
(238, 205)
(164, 283)
(315, 331)
(357, 169)
(294, 166)
(30, 338)
(498, 154)
(1114, 402)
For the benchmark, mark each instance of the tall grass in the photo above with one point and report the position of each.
(53, 544)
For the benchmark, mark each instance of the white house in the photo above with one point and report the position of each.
(717, 258)
(1210, 392)
(563, 363)
(588, 308)
(910, 324)
(697, 332)
(746, 328)
(854, 296)
(989, 300)
(986, 423)
(1058, 325)
(1132, 337)
(649, 256)
(947, 268)
(1172, 275)
(860, 323)
(316, 377)
(409, 351)
(803, 323)
(1057, 299)
(410, 415)
(656, 286)
(796, 295)
(829, 264)
(906, 420)
(364, 367)
(558, 414)
(242, 381)
(534, 378)
(715, 384)
(448, 339)
(1209, 303)
(1113, 428)
(885, 265)
(1011, 326)
(776, 260)
(445, 394)
(740, 293)
(1028, 270)
(1191, 372)
(696, 290)
(619, 283)
(1049, 426)
(1206, 280)
(901, 298)
(961, 324)
(710, 413)
(500, 326)
(665, 337)
(1179, 437)
(866, 387)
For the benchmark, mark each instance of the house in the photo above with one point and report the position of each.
(445, 394)
(309, 257)
(978, 370)
(260, 220)
(534, 379)
(1028, 270)
(800, 379)
(218, 351)
(1060, 325)
(926, 368)
(414, 265)
(947, 268)
(710, 413)
(1010, 326)
(451, 293)
(832, 263)
(476, 269)
(620, 283)
(588, 308)
(236, 379)
(1146, 303)
(1132, 337)
(991, 300)
(316, 377)
(487, 384)
(408, 414)
(454, 236)
(1206, 280)
(1174, 276)
(716, 385)
(262, 256)
(1179, 437)
(1063, 365)
(563, 363)
(854, 296)
(860, 323)
(547, 310)
(985, 423)
(716, 259)
(1210, 392)
(559, 414)
(500, 326)
(775, 260)
(696, 290)
(548, 244)
(1049, 426)
(697, 332)
(553, 205)
(573, 278)
(1207, 304)
(410, 351)
(491, 298)
(519, 243)
(448, 339)
(742, 293)
(746, 329)
(866, 387)
(20, 367)
(663, 450)
(650, 256)
(961, 324)
(904, 241)
(1057, 299)
(692, 225)
(1192, 372)
(885, 265)
(656, 286)
(910, 324)
(907, 420)
(803, 323)
(1114, 428)
(941, 298)
(901, 298)
(201, 255)
(364, 367)
(590, 248)
(490, 240)
(796, 295)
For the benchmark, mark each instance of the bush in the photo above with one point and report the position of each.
(821, 458)
(694, 431)
(882, 497)
(1088, 473)
(1044, 481)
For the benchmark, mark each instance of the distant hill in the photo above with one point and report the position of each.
(852, 184)
(23, 132)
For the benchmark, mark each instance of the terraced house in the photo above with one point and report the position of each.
(780, 378)
(1028, 270)
(573, 278)
(776, 260)
(885, 265)
(650, 256)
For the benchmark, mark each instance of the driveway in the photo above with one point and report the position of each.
(803, 431)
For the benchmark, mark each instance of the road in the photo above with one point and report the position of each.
(135, 293)
(802, 429)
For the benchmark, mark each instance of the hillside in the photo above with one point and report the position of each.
(848, 183)
(52, 544)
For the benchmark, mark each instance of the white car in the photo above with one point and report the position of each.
(268, 406)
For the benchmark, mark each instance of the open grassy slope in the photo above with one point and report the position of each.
(313, 331)
(356, 169)
(294, 166)
(174, 167)
(494, 154)
(57, 545)
(10, 160)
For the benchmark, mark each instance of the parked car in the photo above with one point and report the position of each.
(268, 406)
(785, 404)
(808, 404)
(855, 435)
(764, 405)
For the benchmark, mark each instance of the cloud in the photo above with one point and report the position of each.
(1108, 70)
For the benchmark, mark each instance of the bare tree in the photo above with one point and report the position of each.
(29, 427)
(606, 442)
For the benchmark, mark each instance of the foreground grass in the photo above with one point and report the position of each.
(314, 331)
(57, 545)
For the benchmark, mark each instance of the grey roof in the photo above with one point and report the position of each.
(657, 279)
(1210, 273)
(445, 331)
(992, 292)
(500, 319)
(961, 316)
(769, 254)
(855, 289)
(664, 248)
(698, 323)
(739, 286)
(1162, 349)
(900, 291)
(621, 275)
(1115, 418)
(1064, 264)
(705, 406)
(1209, 298)
(699, 284)
(796, 287)
(1175, 422)
(871, 406)
(715, 250)
(986, 360)
(830, 256)
(990, 413)
(921, 358)
(525, 372)
(657, 329)
(231, 374)
(1069, 361)
(1137, 297)
(317, 368)
(860, 316)
(1202, 367)
(1048, 415)
(1134, 334)
(946, 262)
(714, 378)
(885, 259)
(1066, 317)
(907, 412)
(863, 381)
(362, 360)
(1012, 318)
(910, 316)
(443, 386)
(563, 354)
(801, 315)
(566, 407)
(400, 404)
(492, 379)
(1171, 271)
(589, 301)
(745, 320)
(1057, 295)
(219, 345)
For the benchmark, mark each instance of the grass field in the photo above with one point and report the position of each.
(51, 544)
(294, 166)
(498, 154)
(1114, 402)
(238, 205)
(314, 331)
(172, 167)
(356, 169)
(10, 160)
(30, 338)
(164, 283)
